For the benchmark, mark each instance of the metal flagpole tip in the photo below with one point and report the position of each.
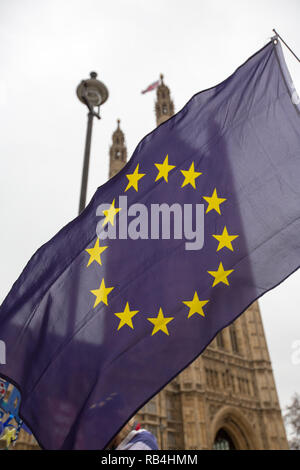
(274, 38)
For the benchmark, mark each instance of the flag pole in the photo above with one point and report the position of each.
(286, 45)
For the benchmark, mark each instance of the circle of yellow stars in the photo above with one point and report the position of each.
(220, 275)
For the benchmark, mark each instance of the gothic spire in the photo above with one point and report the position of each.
(117, 151)
(164, 106)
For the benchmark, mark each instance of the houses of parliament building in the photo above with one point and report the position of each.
(227, 398)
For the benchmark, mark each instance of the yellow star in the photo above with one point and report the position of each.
(134, 178)
(220, 275)
(101, 293)
(164, 169)
(9, 436)
(195, 305)
(110, 214)
(160, 323)
(190, 176)
(95, 253)
(225, 240)
(126, 316)
(214, 202)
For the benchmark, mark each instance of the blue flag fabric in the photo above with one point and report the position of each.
(92, 333)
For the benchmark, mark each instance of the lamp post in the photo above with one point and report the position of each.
(93, 94)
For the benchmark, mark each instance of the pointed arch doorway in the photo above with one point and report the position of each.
(231, 430)
(223, 441)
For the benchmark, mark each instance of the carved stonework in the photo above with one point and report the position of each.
(213, 409)
(117, 152)
(164, 106)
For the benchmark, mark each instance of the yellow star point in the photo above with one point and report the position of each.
(220, 275)
(9, 436)
(195, 305)
(189, 176)
(95, 253)
(110, 214)
(214, 202)
(164, 169)
(134, 178)
(101, 293)
(160, 323)
(126, 316)
(225, 240)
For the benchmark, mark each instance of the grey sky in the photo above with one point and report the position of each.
(47, 47)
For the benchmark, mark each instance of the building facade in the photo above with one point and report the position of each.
(227, 398)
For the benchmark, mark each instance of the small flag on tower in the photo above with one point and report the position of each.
(151, 87)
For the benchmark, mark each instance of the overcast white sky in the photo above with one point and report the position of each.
(48, 47)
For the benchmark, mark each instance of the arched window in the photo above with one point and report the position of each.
(223, 441)
(151, 407)
(220, 340)
(171, 441)
(153, 429)
(233, 337)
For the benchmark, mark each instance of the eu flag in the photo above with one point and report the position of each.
(203, 220)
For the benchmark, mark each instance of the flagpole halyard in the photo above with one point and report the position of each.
(286, 45)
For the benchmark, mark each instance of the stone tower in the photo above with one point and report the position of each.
(164, 106)
(117, 152)
(226, 399)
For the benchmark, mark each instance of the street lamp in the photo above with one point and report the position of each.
(93, 94)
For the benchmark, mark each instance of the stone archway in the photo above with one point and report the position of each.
(231, 430)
